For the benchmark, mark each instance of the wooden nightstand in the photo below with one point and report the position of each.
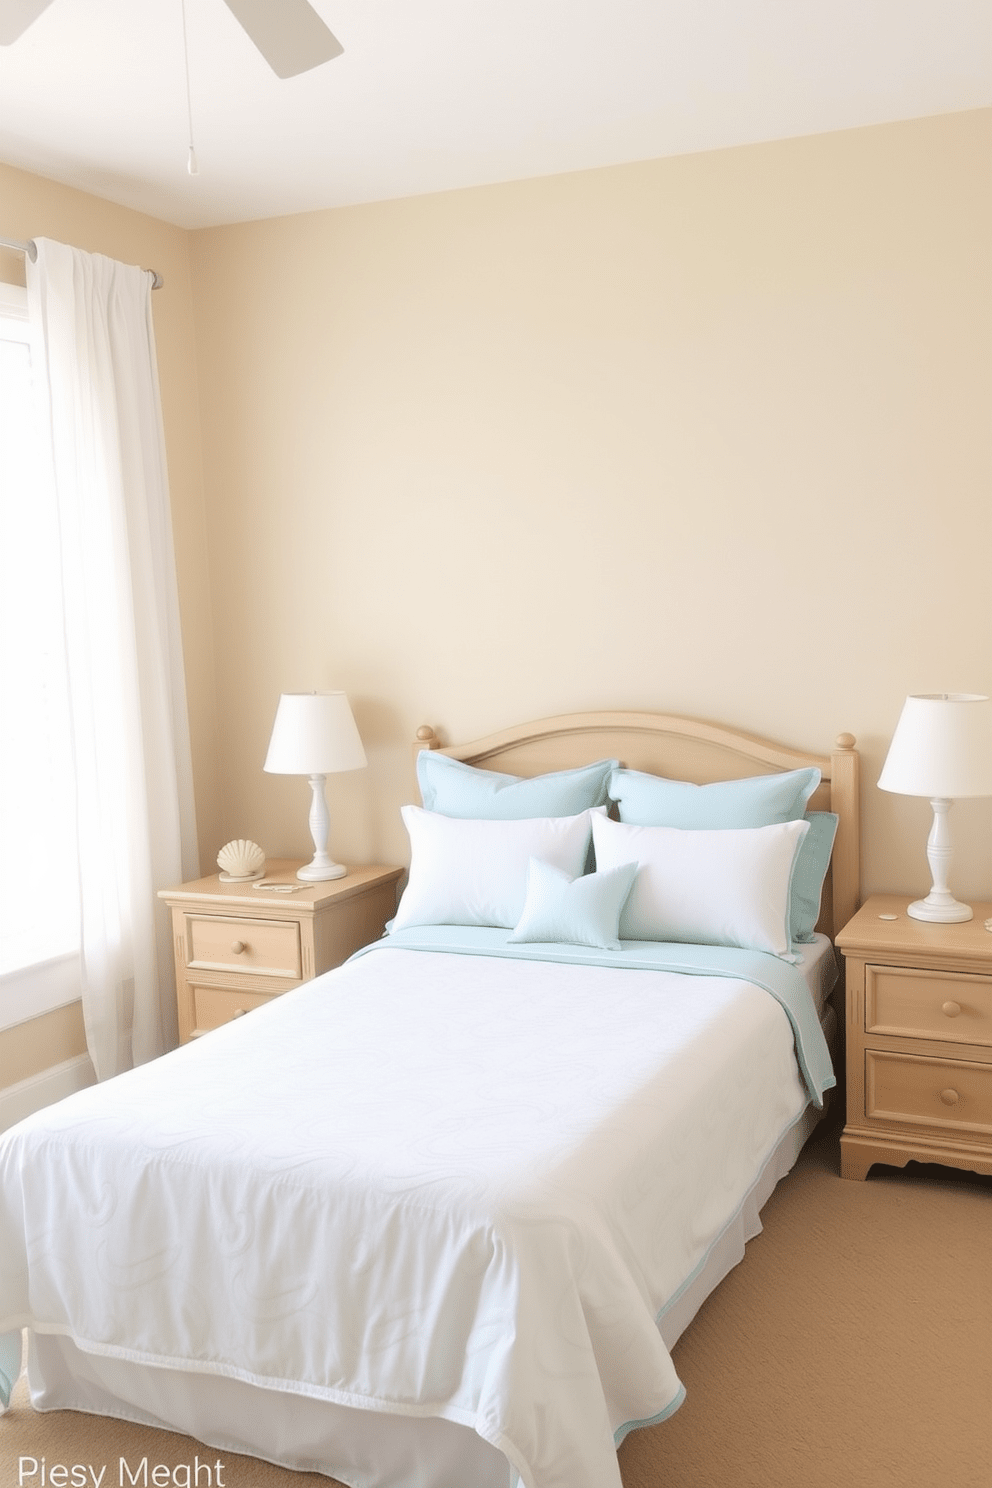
(919, 1039)
(237, 947)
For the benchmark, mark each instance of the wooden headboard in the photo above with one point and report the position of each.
(684, 749)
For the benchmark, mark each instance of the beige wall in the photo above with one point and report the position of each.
(706, 435)
(32, 1047)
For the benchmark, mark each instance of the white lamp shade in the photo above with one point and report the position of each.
(314, 734)
(942, 747)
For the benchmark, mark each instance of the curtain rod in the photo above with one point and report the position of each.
(29, 248)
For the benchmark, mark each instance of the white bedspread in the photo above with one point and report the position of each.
(422, 1184)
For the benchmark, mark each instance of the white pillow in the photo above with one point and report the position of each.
(561, 910)
(469, 872)
(710, 887)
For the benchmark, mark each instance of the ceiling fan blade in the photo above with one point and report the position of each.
(289, 34)
(17, 15)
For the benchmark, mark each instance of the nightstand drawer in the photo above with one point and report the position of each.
(213, 1006)
(951, 1006)
(925, 1091)
(255, 947)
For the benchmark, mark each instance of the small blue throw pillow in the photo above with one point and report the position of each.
(560, 910)
(455, 789)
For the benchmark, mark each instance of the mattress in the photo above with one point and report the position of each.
(534, 1167)
(817, 964)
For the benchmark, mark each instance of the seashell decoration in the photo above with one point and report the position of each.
(241, 861)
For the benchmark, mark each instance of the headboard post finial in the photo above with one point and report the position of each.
(426, 738)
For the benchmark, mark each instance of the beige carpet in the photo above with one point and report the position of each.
(852, 1347)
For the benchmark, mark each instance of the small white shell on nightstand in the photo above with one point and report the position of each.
(241, 860)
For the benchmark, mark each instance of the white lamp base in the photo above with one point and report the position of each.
(940, 904)
(942, 909)
(320, 867)
(317, 871)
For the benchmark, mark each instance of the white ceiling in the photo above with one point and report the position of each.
(436, 94)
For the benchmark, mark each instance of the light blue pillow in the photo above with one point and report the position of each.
(560, 910)
(810, 871)
(456, 789)
(758, 801)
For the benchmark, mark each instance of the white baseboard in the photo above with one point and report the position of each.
(43, 1089)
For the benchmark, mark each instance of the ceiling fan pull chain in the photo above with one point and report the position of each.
(191, 165)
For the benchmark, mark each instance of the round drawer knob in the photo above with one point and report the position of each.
(239, 1012)
(949, 1097)
(951, 1009)
(237, 946)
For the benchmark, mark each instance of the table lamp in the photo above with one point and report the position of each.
(942, 748)
(315, 735)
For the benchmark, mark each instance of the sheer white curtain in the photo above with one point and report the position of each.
(135, 828)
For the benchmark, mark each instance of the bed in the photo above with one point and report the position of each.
(437, 1218)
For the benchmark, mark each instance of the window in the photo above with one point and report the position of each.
(39, 900)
